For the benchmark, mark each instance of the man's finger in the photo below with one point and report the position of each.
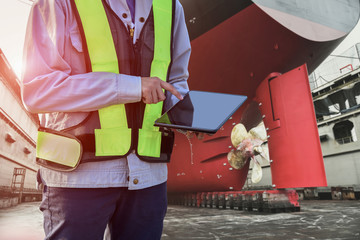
(160, 94)
(154, 97)
(170, 88)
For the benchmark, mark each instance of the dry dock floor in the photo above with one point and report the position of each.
(318, 219)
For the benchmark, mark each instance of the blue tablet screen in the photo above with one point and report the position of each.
(201, 111)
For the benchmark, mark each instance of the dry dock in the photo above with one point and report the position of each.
(318, 219)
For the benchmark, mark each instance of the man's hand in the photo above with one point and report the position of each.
(151, 90)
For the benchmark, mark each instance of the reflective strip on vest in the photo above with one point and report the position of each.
(114, 137)
(59, 149)
(149, 143)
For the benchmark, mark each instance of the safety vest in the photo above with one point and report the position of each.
(116, 137)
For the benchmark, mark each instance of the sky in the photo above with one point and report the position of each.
(13, 19)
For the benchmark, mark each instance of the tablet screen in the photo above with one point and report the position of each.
(201, 111)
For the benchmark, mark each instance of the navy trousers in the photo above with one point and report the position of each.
(83, 214)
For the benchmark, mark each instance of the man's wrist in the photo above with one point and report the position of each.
(129, 88)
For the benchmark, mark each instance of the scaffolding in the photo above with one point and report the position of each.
(17, 183)
(335, 67)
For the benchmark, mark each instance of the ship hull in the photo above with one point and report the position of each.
(235, 56)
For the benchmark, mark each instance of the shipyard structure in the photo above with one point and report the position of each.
(337, 108)
(18, 130)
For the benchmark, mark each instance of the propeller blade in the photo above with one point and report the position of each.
(259, 132)
(236, 159)
(238, 134)
(260, 151)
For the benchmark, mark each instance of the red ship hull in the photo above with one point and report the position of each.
(235, 56)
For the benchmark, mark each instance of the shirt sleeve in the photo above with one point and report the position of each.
(180, 57)
(49, 81)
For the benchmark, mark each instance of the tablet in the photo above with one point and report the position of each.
(201, 111)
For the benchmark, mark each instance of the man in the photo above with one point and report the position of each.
(68, 84)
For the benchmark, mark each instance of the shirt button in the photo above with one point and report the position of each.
(124, 15)
(136, 181)
(142, 19)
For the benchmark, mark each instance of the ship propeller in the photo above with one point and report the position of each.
(248, 146)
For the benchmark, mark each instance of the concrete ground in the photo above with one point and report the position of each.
(317, 220)
(22, 222)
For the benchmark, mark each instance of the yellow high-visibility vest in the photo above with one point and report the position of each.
(115, 138)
